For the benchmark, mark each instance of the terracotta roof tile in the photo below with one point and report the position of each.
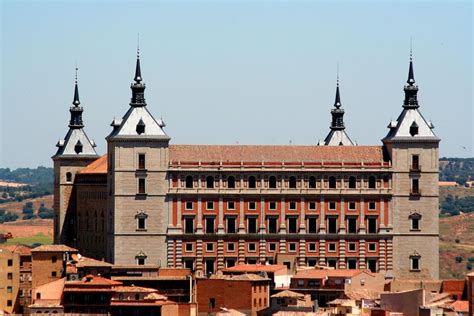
(275, 153)
(97, 166)
(82, 261)
(288, 293)
(240, 277)
(321, 274)
(172, 272)
(20, 249)
(255, 268)
(134, 289)
(460, 306)
(94, 280)
(54, 248)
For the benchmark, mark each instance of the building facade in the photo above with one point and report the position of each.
(207, 207)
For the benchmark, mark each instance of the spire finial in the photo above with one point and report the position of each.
(138, 72)
(411, 76)
(138, 45)
(337, 101)
(76, 101)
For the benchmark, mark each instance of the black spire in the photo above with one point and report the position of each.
(138, 88)
(337, 113)
(76, 110)
(411, 90)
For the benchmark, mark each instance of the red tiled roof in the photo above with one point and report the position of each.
(19, 249)
(97, 166)
(275, 153)
(239, 277)
(460, 306)
(453, 285)
(162, 272)
(255, 268)
(54, 248)
(82, 261)
(330, 273)
(94, 280)
(134, 289)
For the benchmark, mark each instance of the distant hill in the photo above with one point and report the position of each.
(24, 183)
(459, 170)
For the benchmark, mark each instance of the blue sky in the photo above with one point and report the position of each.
(232, 72)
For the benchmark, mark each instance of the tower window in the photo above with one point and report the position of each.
(189, 225)
(414, 129)
(352, 225)
(210, 205)
(78, 147)
(231, 182)
(68, 177)
(140, 127)
(352, 182)
(189, 182)
(292, 225)
(415, 162)
(312, 225)
(141, 161)
(292, 183)
(415, 186)
(312, 182)
(272, 182)
(312, 247)
(272, 225)
(252, 225)
(210, 225)
(141, 260)
(332, 225)
(372, 182)
(352, 264)
(231, 229)
(372, 225)
(252, 182)
(415, 224)
(141, 220)
(332, 182)
(141, 186)
(415, 263)
(210, 182)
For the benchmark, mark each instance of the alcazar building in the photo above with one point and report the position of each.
(207, 207)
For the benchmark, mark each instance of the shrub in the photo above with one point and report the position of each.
(469, 266)
(29, 216)
(458, 259)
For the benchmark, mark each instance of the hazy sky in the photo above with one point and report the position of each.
(228, 72)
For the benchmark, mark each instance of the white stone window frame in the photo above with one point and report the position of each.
(272, 205)
(209, 247)
(311, 204)
(332, 208)
(349, 206)
(415, 216)
(254, 207)
(186, 206)
(229, 205)
(254, 244)
(210, 205)
(374, 245)
(292, 205)
(351, 244)
(271, 245)
(141, 256)
(144, 216)
(332, 244)
(370, 204)
(230, 244)
(292, 245)
(315, 247)
(186, 247)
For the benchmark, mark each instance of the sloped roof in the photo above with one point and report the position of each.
(337, 138)
(66, 146)
(460, 306)
(288, 293)
(240, 277)
(275, 153)
(19, 249)
(134, 116)
(54, 248)
(400, 129)
(255, 268)
(50, 293)
(97, 166)
(323, 273)
(134, 289)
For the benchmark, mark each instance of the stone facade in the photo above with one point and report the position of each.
(210, 207)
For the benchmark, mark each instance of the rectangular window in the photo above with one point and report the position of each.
(372, 265)
(209, 205)
(252, 247)
(188, 206)
(372, 206)
(230, 247)
(272, 206)
(272, 246)
(189, 264)
(292, 225)
(331, 247)
(141, 223)
(272, 225)
(292, 247)
(210, 225)
(312, 262)
(314, 283)
(415, 263)
(9, 289)
(352, 206)
(415, 224)
(231, 227)
(372, 247)
(210, 267)
(332, 225)
(229, 263)
(141, 186)
(141, 161)
(312, 247)
(10, 276)
(312, 225)
(252, 206)
(9, 302)
(415, 186)
(292, 206)
(209, 247)
(189, 225)
(372, 225)
(352, 225)
(53, 274)
(332, 263)
(231, 205)
(10, 262)
(351, 247)
(252, 225)
(188, 247)
(415, 163)
(352, 264)
(332, 206)
(312, 206)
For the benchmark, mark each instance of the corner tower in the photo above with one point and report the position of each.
(74, 152)
(337, 136)
(413, 150)
(138, 156)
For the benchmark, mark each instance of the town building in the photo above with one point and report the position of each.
(49, 263)
(208, 207)
(15, 278)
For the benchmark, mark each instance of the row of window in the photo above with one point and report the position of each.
(272, 182)
(291, 246)
(272, 205)
(292, 227)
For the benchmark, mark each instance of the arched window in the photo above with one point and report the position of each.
(252, 182)
(371, 182)
(210, 182)
(272, 182)
(292, 182)
(312, 182)
(68, 177)
(231, 182)
(189, 182)
(352, 182)
(332, 182)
